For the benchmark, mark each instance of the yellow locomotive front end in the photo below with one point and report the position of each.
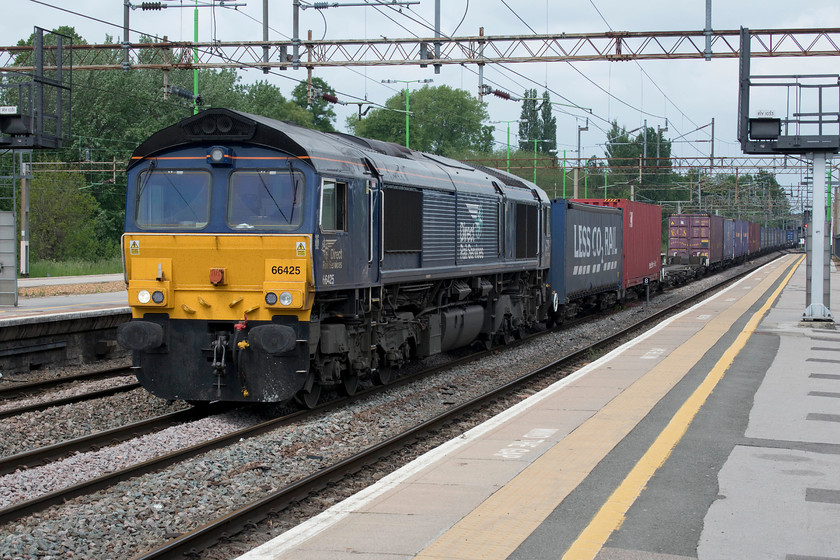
(219, 317)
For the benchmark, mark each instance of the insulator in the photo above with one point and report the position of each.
(329, 97)
(151, 5)
(502, 94)
(320, 5)
(181, 92)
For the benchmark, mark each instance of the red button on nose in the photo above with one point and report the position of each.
(217, 276)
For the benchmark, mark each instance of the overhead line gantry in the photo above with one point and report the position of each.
(479, 49)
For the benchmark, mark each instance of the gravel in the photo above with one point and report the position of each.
(141, 513)
(63, 371)
(61, 423)
(71, 289)
(77, 388)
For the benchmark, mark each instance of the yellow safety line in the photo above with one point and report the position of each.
(611, 515)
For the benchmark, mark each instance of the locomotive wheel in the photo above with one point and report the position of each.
(309, 399)
(349, 385)
(381, 376)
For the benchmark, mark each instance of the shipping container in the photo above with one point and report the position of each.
(754, 239)
(641, 240)
(728, 240)
(585, 249)
(742, 234)
(695, 239)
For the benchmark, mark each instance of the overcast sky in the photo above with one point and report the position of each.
(688, 93)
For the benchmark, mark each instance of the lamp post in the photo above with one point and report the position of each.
(581, 129)
(508, 138)
(407, 105)
(577, 167)
(535, 157)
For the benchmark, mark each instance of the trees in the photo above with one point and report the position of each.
(632, 160)
(530, 126)
(536, 122)
(444, 121)
(62, 217)
(262, 98)
(322, 112)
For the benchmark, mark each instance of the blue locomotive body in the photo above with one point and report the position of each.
(265, 260)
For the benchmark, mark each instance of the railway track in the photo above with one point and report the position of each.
(40, 387)
(54, 452)
(192, 543)
(18, 390)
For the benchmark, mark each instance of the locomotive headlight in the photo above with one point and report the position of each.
(157, 296)
(285, 298)
(143, 296)
(271, 298)
(218, 155)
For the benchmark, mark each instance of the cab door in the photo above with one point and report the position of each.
(348, 239)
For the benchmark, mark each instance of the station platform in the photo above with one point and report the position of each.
(715, 435)
(33, 309)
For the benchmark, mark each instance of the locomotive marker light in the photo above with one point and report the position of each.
(285, 299)
(271, 298)
(144, 297)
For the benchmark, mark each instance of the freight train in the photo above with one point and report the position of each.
(703, 243)
(265, 261)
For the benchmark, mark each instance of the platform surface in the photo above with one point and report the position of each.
(714, 435)
(40, 308)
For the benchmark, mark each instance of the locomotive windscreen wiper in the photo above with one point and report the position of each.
(271, 196)
(174, 186)
(146, 176)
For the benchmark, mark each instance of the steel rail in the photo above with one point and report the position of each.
(69, 400)
(54, 452)
(40, 503)
(17, 389)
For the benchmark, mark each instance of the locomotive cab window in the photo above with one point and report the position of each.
(334, 206)
(271, 199)
(172, 199)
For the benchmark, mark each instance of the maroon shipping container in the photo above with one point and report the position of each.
(754, 238)
(695, 238)
(642, 246)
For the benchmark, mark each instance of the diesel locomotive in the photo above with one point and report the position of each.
(265, 261)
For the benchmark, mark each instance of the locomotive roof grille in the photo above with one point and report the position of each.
(507, 179)
(218, 126)
(386, 148)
